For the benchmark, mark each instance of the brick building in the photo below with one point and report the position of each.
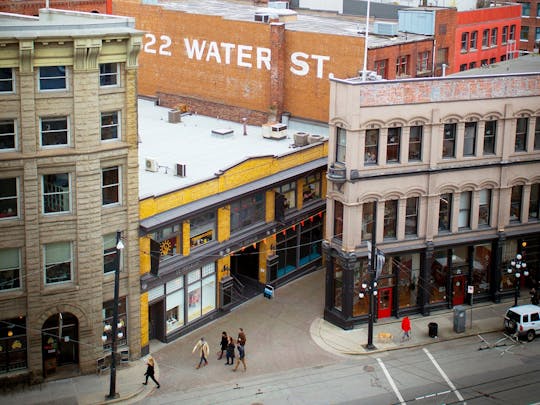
(442, 174)
(529, 35)
(69, 182)
(32, 7)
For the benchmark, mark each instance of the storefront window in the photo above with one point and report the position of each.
(312, 188)
(509, 253)
(201, 291)
(439, 276)
(247, 211)
(310, 240)
(108, 313)
(481, 268)
(338, 286)
(202, 228)
(287, 251)
(408, 276)
(169, 241)
(361, 275)
(175, 304)
(338, 220)
(13, 344)
(289, 192)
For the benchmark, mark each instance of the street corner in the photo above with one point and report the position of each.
(337, 341)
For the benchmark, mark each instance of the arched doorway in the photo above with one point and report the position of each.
(60, 337)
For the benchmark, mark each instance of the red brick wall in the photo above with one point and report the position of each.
(32, 7)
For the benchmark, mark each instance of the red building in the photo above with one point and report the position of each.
(529, 36)
(31, 7)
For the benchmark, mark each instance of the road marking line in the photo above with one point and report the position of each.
(391, 381)
(441, 371)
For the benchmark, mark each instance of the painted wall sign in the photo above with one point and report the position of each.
(240, 55)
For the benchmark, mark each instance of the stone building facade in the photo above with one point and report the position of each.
(443, 175)
(69, 182)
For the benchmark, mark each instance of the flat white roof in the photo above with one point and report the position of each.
(193, 143)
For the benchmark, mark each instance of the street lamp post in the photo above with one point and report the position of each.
(371, 289)
(119, 246)
(518, 267)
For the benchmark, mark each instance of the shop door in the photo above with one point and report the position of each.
(384, 309)
(458, 290)
(59, 337)
(156, 321)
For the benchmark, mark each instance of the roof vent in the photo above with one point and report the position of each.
(180, 170)
(301, 138)
(385, 28)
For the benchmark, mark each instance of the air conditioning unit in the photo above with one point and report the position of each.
(151, 165)
(180, 170)
(314, 138)
(274, 131)
(301, 138)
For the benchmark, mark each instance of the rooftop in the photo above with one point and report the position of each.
(205, 145)
(524, 64)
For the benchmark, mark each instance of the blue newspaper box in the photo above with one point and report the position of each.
(268, 291)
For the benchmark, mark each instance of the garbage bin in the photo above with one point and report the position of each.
(433, 327)
(459, 318)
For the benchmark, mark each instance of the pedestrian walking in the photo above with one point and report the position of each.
(204, 349)
(223, 344)
(230, 351)
(150, 372)
(241, 356)
(406, 328)
(241, 337)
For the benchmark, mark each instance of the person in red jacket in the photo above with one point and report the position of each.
(406, 327)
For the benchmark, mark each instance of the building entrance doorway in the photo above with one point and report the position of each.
(246, 262)
(156, 323)
(59, 337)
(384, 301)
(458, 289)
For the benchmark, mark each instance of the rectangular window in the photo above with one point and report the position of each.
(54, 132)
(8, 136)
(445, 211)
(6, 80)
(515, 204)
(469, 140)
(52, 78)
(338, 220)
(13, 341)
(472, 65)
(381, 68)
(109, 253)
(165, 242)
(464, 219)
(423, 62)
(110, 185)
(512, 36)
(538, 9)
(10, 269)
(312, 187)
(58, 262)
(485, 38)
(534, 202)
(504, 39)
(484, 62)
(415, 143)
(490, 132)
(411, 217)
(494, 36)
(492, 61)
(9, 201)
(371, 148)
(110, 126)
(247, 211)
(522, 129)
(108, 316)
(390, 218)
(288, 193)
(109, 74)
(202, 228)
(524, 33)
(402, 66)
(449, 141)
(537, 134)
(474, 40)
(56, 193)
(484, 208)
(525, 9)
(367, 220)
(464, 42)
(392, 145)
(463, 67)
(537, 29)
(338, 285)
(341, 145)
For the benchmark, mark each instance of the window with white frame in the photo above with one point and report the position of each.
(515, 203)
(8, 135)
(485, 38)
(175, 304)
(512, 35)
(525, 9)
(110, 126)
(9, 198)
(109, 74)
(110, 253)
(445, 211)
(504, 38)
(392, 145)
(56, 193)
(341, 145)
(110, 185)
(6, 80)
(464, 218)
(484, 207)
(390, 218)
(411, 216)
(58, 259)
(522, 129)
(469, 141)
(52, 78)
(524, 33)
(464, 42)
(474, 40)
(422, 64)
(371, 147)
(10, 269)
(449, 140)
(367, 220)
(288, 190)
(415, 143)
(402, 65)
(54, 132)
(380, 68)
(490, 133)
(494, 36)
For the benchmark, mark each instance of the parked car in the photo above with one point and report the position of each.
(523, 321)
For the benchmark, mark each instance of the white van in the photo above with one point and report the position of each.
(523, 321)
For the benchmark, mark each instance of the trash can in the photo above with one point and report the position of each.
(459, 318)
(433, 327)
(268, 291)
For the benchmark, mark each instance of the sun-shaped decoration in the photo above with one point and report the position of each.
(165, 247)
